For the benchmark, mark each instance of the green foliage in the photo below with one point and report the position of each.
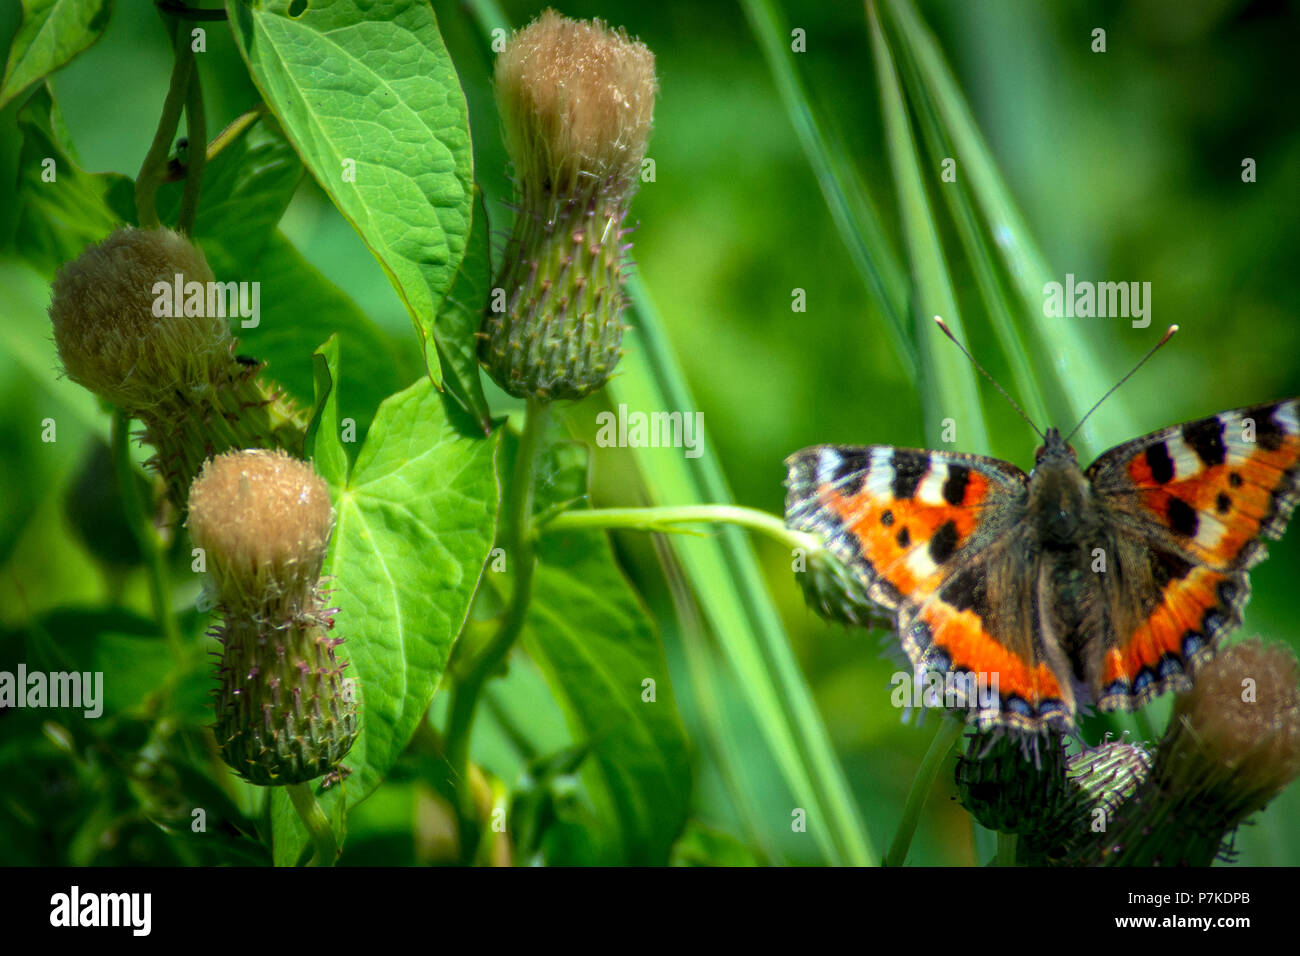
(52, 33)
(415, 518)
(592, 638)
(360, 180)
(404, 183)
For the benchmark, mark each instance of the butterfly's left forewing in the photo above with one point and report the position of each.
(1187, 509)
(933, 537)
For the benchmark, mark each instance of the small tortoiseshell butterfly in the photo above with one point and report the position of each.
(987, 570)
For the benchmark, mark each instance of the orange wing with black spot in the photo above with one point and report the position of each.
(933, 537)
(1188, 508)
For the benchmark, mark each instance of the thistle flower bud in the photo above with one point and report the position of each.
(172, 367)
(834, 592)
(284, 712)
(576, 102)
(1232, 745)
(105, 326)
(1015, 784)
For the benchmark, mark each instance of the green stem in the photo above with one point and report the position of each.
(519, 534)
(317, 824)
(153, 170)
(949, 732)
(663, 519)
(196, 127)
(138, 520)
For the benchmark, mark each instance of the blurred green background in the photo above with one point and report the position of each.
(1126, 164)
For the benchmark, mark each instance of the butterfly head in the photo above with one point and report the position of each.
(1054, 449)
(1058, 492)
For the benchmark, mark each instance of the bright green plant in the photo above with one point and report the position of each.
(511, 642)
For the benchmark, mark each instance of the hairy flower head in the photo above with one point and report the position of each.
(108, 329)
(264, 519)
(576, 101)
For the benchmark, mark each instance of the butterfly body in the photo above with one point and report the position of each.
(1065, 586)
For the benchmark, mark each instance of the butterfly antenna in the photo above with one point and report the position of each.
(1169, 334)
(948, 332)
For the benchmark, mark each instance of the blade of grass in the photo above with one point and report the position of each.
(721, 744)
(975, 240)
(1066, 358)
(847, 201)
(733, 596)
(947, 380)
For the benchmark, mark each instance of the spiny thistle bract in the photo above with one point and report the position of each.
(576, 102)
(285, 714)
(176, 372)
(834, 592)
(1053, 803)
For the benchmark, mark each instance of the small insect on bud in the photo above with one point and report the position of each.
(113, 339)
(576, 102)
(284, 712)
(1233, 744)
(138, 320)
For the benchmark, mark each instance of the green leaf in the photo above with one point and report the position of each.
(299, 306)
(977, 243)
(25, 337)
(246, 189)
(414, 523)
(593, 640)
(58, 219)
(455, 347)
(701, 845)
(52, 33)
(370, 99)
(136, 667)
(327, 454)
(947, 382)
(550, 821)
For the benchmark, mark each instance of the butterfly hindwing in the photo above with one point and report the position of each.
(931, 535)
(1187, 508)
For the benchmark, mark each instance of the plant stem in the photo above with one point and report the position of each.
(138, 520)
(317, 824)
(154, 167)
(519, 534)
(196, 131)
(664, 518)
(945, 738)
